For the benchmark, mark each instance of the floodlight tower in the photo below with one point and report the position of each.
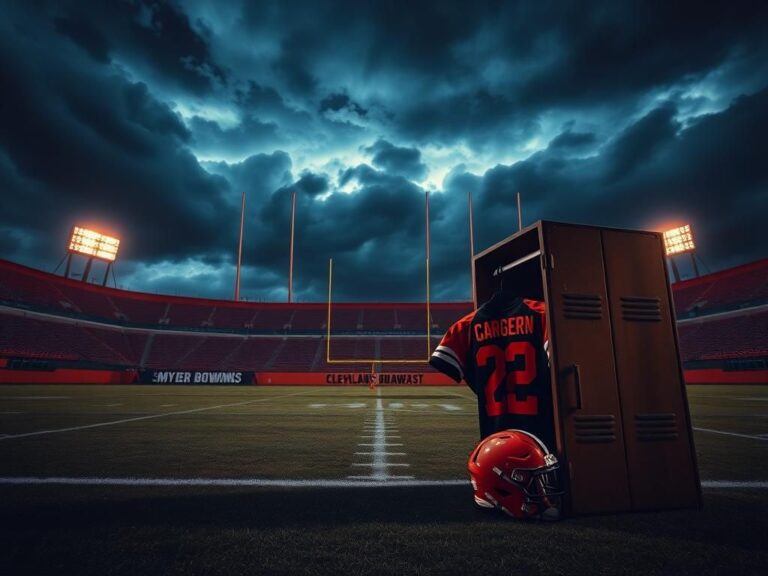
(679, 240)
(94, 246)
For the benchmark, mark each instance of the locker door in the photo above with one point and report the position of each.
(657, 433)
(586, 391)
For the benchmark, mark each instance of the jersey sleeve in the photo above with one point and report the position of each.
(540, 308)
(450, 355)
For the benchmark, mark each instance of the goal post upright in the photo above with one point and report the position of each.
(429, 316)
(240, 248)
(374, 361)
(290, 258)
(472, 250)
(328, 321)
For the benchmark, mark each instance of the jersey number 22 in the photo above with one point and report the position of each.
(529, 406)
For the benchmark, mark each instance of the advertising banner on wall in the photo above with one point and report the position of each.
(353, 379)
(221, 377)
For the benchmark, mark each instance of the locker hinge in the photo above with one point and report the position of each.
(547, 261)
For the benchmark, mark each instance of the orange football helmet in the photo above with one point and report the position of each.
(513, 471)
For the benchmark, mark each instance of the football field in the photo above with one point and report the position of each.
(333, 480)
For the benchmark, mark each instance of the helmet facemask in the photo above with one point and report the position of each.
(540, 487)
(514, 472)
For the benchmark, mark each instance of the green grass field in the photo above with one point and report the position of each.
(145, 480)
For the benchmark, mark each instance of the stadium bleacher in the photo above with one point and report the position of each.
(232, 317)
(189, 315)
(722, 317)
(139, 311)
(296, 355)
(310, 318)
(738, 287)
(733, 337)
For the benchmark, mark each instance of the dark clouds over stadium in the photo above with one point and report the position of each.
(148, 119)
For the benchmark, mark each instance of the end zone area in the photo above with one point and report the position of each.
(320, 480)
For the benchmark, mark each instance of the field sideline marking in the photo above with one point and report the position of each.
(149, 417)
(729, 433)
(297, 483)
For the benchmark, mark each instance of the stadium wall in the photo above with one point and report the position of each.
(353, 379)
(73, 376)
(719, 376)
(66, 376)
(710, 309)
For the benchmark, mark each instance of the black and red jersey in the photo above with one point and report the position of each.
(500, 350)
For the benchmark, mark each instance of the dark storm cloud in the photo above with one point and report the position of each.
(710, 174)
(152, 118)
(86, 35)
(248, 136)
(397, 160)
(336, 102)
(375, 235)
(619, 49)
(156, 36)
(636, 146)
(81, 145)
(511, 61)
(570, 141)
(312, 184)
(258, 175)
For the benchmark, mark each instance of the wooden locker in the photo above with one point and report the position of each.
(583, 371)
(622, 426)
(661, 461)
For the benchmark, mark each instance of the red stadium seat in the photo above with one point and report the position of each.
(45, 318)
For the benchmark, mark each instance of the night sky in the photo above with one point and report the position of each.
(148, 120)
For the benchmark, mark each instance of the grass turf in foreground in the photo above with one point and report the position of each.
(418, 530)
(360, 531)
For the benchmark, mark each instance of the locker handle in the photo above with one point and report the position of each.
(577, 381)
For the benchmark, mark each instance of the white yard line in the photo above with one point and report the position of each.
(734, 484)
(36, 397)
(379, 464)
(359, 482)
(724, 433)
(377, 428)
(352, 482)
(137, 419)
(374, 465)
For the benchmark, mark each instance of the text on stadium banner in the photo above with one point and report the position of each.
(366, 378)
(194, 377)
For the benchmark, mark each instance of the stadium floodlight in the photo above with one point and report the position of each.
(679, 240)
(92, 245)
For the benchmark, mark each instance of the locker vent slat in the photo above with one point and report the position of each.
(583, 306)
(655, 427)
(640, 309)
(595, 428)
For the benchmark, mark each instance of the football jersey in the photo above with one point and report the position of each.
(500, 351)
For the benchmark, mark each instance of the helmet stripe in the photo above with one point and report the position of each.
(541, 444)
